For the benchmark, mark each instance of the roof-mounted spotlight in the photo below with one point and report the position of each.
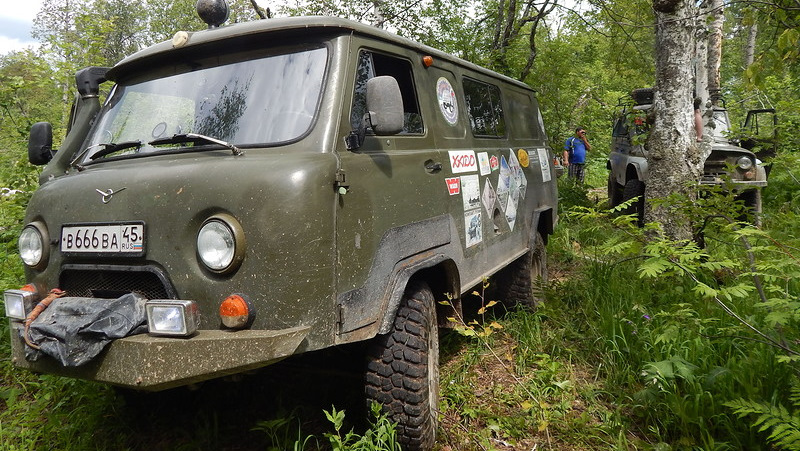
(213, 12)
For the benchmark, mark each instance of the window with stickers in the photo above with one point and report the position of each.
(372, 64)
(485, 108)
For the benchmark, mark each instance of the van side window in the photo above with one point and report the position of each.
(485, 108)
(371, 65)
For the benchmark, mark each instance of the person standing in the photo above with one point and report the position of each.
(575, 150)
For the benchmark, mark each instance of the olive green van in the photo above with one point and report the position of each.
(254, 191)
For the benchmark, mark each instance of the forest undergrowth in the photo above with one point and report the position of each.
(641, 343)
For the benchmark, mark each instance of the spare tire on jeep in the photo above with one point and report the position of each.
(642, 96)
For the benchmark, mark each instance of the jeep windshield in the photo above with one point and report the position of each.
(241, 101)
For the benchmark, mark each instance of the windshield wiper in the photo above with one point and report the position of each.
(186, 137)
(107, 149)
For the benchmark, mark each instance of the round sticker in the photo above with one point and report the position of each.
(522, 154)
(447, 100)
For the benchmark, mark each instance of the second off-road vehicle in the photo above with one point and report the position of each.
(728, 164)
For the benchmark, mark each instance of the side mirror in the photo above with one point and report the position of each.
(384, 111)
(40, 143)
(385, 105)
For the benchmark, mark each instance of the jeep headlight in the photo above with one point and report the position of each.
(744, 163)
(220, 244)
(172, 317)
(33, 245)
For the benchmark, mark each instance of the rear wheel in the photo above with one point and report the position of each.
(614, 192)
(522, 282)
(403, 369)
(634, 188)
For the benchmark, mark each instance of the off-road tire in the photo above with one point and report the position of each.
(643, 96)
(614, 192)
(402, 371)
(522, 282)
(634, 188)
(752, 203)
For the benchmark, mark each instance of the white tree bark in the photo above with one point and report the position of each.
(716, 14)
(750, 49)
(701, 58)
(674, 158)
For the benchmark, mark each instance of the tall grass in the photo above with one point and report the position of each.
(671, 356)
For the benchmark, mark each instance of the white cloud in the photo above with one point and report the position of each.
(16, 17)
(20, 10)
(10, 44)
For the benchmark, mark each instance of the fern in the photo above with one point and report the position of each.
(783, 427)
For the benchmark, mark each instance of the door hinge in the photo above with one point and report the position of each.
(341, 180)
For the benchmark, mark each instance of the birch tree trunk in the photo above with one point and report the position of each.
(701, 58)
(750, 49)
(674, 161)
(716, 14)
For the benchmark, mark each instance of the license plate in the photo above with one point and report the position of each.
(107, 239)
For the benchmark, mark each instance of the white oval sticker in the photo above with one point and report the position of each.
(447, 100)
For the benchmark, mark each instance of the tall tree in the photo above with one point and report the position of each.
(716, 18)
(675, 160)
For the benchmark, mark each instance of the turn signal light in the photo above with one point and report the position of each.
(237, 312)
(427, 61)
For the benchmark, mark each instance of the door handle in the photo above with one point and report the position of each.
(433, 167)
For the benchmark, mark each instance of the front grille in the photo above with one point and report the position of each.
(113, 282)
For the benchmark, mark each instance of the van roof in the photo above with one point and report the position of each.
(306, 25)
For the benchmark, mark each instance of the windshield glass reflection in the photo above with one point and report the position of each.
(263, 101)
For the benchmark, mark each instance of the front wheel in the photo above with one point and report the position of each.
(403, 369)
(634, 188)
(752, 204)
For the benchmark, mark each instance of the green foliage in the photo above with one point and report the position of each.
(284, 433)
(783, 426)
(381, 436)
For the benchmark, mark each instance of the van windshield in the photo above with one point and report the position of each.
(264, 101)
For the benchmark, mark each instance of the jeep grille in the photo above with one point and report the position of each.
(113, 282)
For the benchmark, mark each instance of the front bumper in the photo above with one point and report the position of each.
(152, 363)
(739, 184)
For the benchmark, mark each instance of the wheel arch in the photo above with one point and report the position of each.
(441, 275)
(636, 171)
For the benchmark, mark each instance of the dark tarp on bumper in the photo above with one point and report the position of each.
(75, 330)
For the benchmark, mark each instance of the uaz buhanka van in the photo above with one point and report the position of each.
(264, 189)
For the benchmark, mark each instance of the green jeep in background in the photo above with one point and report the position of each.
(264, 189)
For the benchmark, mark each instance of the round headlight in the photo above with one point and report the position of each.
(32, 248)
(744, 163)
(216, 245)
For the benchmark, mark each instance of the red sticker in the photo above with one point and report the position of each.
(494, 163)
(453, 186)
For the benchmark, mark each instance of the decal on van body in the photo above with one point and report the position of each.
(519, 182)
(447, 100)
(544, 164)
(483, 163)
(511, 210)
(453, 185)
(471, 191)
(462, 161)
(503, 182)
(489, 197)
(524, 161)
(473, 226)
(494, 163)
